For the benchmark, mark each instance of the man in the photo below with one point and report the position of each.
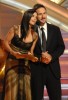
(47, 70)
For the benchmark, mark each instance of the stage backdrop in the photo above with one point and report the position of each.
(8, 17)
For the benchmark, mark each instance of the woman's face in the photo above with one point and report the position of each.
(33, 19)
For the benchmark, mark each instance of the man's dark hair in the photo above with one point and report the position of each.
(37, 6)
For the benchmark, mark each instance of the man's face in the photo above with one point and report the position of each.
(42, 15)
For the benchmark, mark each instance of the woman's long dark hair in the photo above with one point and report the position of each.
(25, 22)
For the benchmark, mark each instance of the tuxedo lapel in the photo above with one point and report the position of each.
(39, 41)
(49, 36)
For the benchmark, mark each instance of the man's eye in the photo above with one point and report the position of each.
(39, 14)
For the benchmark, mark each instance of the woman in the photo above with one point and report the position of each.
(20, 48)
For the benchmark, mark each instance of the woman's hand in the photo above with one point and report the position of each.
(18, 55)
(29, 56)
(32, 57)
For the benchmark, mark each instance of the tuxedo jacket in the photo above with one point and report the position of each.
(55, 47)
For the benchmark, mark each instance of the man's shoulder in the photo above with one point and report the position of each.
(36, 28)
(52, 26)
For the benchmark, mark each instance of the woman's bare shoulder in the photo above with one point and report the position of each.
(15, 29)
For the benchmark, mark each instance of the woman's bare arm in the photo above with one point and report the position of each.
(35, 38)
(7, 42)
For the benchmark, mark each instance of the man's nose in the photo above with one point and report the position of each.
(43, 16)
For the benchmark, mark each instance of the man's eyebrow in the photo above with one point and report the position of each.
(41, 13)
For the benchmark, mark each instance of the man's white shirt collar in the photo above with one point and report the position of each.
(45, 30)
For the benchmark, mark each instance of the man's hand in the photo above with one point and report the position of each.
(46, 57)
